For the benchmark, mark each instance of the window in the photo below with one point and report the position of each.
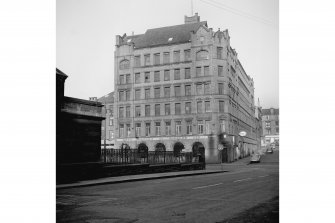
(207, 88)
(187, 90)
(147, 110)
(220, 71)
(124, 64)
(176, 56)
(137, 61)
(138, 78)
(167, 128)
(188, 108)
(157, 110)
(111, 121)
(157, 58)
(219, 52)
(202, 39)
(199, 106)
(187, 73)
(267, 125)
(138, 111)
(138, 129)
(121, 95)
(220, 86)
(177, 74)
(111, 134)
(122, 81)
(127, 78)
(111, 111)
(206, 70)
(207, 106)
(178, 127)
(147, 129)
(157, 76)
(128, 95)
(166, 57)
(128, 111)
(200, 127)
(187, 54)
(207, 127)
(199, 89)
(157, 92)
(147, 93)
(146, 59)
(222, 126)
(166, 75)
(166, 91)
(198, 71)
(121, 112)
(147, 77)
(121, 130)
(269, 132)
(189, 128)
(277, 122)
(128, 130)
(167, 109)
(137, 94)
(176, 91)
(158, 128)
(221, 106)
(277, 129)
(202, 55)
(177, 109)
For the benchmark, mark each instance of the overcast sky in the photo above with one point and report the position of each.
(86, 31)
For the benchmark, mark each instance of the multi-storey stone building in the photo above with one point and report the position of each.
(107, 125)
(179, 88)
(270, 123)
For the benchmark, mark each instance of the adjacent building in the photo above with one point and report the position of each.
(183, 88)
(270, 123)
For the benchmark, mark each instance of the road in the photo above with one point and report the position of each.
(202, 198)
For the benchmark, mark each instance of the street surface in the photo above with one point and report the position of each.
(201, 198)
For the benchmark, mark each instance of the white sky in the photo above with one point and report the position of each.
(86, 31)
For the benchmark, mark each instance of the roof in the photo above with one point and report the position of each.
(59, 72)
(268, 111)
(160, 36)
(108, 98)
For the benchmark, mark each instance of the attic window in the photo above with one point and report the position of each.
(170, 39)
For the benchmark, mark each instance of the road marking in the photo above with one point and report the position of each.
(242, 180)
(263, 176)
(206, 186)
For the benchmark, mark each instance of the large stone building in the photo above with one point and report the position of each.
(183, 88)
(270, 123)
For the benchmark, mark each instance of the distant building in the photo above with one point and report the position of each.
(182, 88)
(107, 127)
(78, 127)
(270, 123)
(258, 124)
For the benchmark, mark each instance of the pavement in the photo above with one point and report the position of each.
(210, 169)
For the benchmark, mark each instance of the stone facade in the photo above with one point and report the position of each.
(186, 84)
(107, 125)
(270, 123)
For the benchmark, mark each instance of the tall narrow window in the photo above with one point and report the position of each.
(220, 86)
(167, 109)
(221, 106)
(187, 90)
(187, 55)
(122, 81)
(128, 95)
(188, 108)
(157, 58)
(178, 127)
(137, 94)
(176, 56)
(147, 129)
(147, 110)
(166, 75)
(177, 74)
(121, 95)
(158, 128)
(189, 128)
(138, 78)
(199, 106)
(206, 71)
(200, 127)
(111, 121)
(127, 78)
(121, 112)
(146, 59)
(157, 92)
(138, 111)
(167, 128)
(166, 57)
(198, 71)
(207, 88)
(157, 76)
(220, 71)
(177, 109)
(157, 110)
(219, 52)
(166, 92)
(222, 126)
(128, 130)
(187, 73)
(147, 77)
(207, 106)
(137, 61)
(121, 130)
(207, 127)
(199, 89)
(147, 93)
(128, 111)
(138, 129)
(177, 91)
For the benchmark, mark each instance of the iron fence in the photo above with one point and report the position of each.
(135, 156)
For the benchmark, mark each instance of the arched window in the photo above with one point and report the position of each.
(202, 55)
(124, 64)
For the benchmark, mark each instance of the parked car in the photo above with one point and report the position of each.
(255, 158)
(269, 150)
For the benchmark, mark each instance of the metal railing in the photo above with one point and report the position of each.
(134, 156)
